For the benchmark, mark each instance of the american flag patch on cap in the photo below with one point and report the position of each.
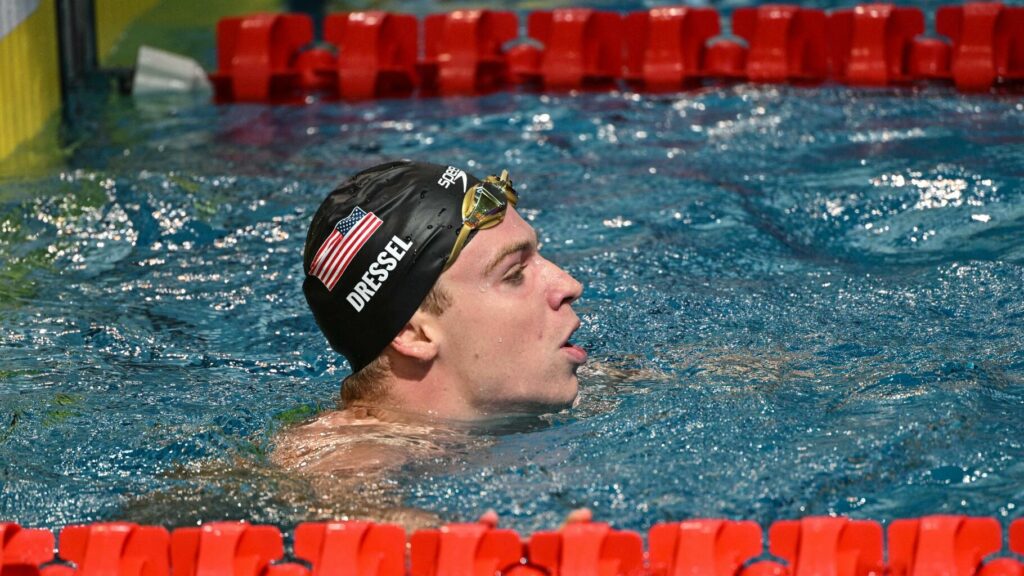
(342, 245)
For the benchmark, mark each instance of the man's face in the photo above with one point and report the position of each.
(506, 332)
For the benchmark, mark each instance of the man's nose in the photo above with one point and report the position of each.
(563, 288)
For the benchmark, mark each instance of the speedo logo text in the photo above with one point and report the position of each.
(452, 175)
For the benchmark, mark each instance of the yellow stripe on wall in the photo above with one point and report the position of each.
(112, 18)
(29, 77)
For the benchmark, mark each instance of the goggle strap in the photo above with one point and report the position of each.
(459, 243)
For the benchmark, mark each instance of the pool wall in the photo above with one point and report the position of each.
(29, 70)
(30, 66)
(112, 19)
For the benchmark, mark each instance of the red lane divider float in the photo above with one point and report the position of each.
(813, 546)
(1008, 566)
(225, 549)
(465, 549)
(586, 549)
(351, 548)
(582, 48)
(256, 57)
(272, 57)
(836, 546)
(464, 51)
(951, 545)
(666, 47)
(787, 43)
(988, 43)
(113, 549)
(376, 54)
(23, 550)
(711, 547)
(872, 44)
(579, 48)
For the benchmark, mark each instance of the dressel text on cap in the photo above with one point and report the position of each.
(377, 273)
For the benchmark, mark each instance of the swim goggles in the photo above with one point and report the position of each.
(483, 207)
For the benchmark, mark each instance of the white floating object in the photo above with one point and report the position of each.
(159, 72)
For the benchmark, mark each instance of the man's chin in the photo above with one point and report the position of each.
(572, 391)
(569, 400)
(538, 406)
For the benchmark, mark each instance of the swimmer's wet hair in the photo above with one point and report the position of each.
(368, 385)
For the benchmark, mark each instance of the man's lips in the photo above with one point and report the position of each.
(576, 354)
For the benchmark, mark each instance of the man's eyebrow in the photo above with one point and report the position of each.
(520, 246)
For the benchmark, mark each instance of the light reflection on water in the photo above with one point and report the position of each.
(792, 304)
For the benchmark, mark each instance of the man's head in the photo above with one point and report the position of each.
(483, 334)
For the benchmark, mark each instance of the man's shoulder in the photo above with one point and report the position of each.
(351, 441)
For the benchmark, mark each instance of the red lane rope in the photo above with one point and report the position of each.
(269, 57)
(812, 546)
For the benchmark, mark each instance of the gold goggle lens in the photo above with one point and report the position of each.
(483, 206)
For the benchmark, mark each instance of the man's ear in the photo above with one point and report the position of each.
(418, 340)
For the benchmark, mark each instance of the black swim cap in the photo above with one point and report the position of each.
(375, 248)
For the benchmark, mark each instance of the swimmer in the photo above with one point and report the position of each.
(431, 284)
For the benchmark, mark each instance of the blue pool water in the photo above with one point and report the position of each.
(798, 301)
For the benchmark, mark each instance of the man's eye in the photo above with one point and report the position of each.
(515, 275)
